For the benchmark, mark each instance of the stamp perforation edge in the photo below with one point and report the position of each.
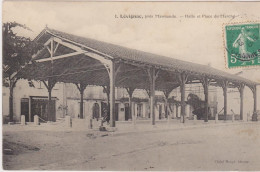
(224, 43)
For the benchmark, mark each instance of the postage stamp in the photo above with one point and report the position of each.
(242, 43)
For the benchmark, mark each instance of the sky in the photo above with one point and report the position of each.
(198, 40)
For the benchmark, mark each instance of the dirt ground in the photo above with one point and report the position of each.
(215, 147)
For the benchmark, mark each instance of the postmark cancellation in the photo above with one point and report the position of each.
(242, 44)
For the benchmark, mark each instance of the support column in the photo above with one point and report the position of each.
(64, 95)
(30, 109)
(153, 74)
(182, 80)
(81, 105)
(49, 86)
(131, 114)
(171, 110)
(166, 94)
(183, 112)
(177, 110)
(110, 90)
(152, 91)
(149, 102)
(49, 117)
(254, 117)
(205, 83)
(106, 89)
(166, 108)
(11, 106)
(81, 87)
(241, 91)
(224, 85)
(112, 94)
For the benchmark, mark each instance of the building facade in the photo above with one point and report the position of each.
(32, 100)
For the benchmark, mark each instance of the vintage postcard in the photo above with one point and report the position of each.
(131, 86)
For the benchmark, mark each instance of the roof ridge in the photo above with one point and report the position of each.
(118, 51)
(113, 44)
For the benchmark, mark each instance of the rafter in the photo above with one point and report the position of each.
(61, 56)
(79, 50)
(48, 49)
(56, 48)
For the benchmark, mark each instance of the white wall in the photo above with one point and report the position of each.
(121, 114)
(233, 101)
(22, 90)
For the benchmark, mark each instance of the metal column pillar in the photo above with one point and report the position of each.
(153, 74)
(182, 80)
(166, 108)
(166, 94)
(149, 102)
(205, 83)
(131, 114)
(112, 94)
(224, 85)
(152, 91)
(81, 105)
(49, 86)
(49, 105)
(177, 110)
(241, 91)
(254, 117)
(81, 87)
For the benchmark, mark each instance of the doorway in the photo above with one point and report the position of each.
(160, 111)
(104, 107)
(127, 115)
(39, 106)
(25, 109)
(96, 111)
(116, 111)
(139, 110)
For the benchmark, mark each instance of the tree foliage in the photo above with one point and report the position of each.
(17, 51)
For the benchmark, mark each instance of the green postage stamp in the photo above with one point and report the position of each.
(242, 45)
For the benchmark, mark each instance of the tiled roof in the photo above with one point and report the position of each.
(120, 52)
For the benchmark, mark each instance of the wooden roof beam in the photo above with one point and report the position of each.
(61, 56)
(78, 50)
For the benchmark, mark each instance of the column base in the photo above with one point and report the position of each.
(254, 117)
